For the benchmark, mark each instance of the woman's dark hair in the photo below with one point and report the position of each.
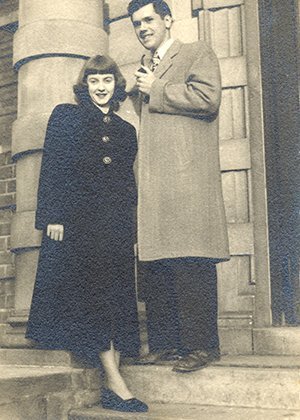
(100, 64)
(160, 7)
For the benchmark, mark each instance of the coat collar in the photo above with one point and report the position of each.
(167, 60)
(94, 112)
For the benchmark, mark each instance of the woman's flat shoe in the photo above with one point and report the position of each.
(112, 401)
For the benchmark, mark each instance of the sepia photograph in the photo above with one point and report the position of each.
(149, 210)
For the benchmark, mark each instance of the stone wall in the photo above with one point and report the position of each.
(128, 55)
(7, 201)
(222, 24)
(8, 111)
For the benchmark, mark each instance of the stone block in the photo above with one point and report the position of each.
(28, 172)
(86, 11)
(4, 314)
(127, 52)
(58, 37)
(93, 379)
(2, 155)
(42, 393)
(10, 270)
(5, 257)
(34, 357)
(58, 405)
(11, 186)
(277, 341)
(5, 216)
(5, 132)
(2, 187)
(7, 200)
(26, 264)
(10, 301)
(4, 229)
(7, 7)
(8, 160)
(9, 287)
(2, 301)
(180, 9)
(6, 172)
(86, 379)
(186, 30)
(235, 341)
(12, 337)
(185, 412)
(116, 8)
(43, 84)
(2, 287)
(23, 232)
(29, 381)
(272, 388)
(129, 109)
(24, 409)
(86, 397)
(29, 132)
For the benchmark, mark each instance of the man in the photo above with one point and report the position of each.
(181, 219)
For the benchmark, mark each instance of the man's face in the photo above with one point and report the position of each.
(150, 28)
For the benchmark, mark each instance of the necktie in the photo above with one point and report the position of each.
(155, 60)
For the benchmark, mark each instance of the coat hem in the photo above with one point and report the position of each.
(171, 255)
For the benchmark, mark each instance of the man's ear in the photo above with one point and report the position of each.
(168, 21)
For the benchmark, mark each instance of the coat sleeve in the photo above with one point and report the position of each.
(52, 190)
(198, 95)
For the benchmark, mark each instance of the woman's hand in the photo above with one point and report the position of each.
(55, 232)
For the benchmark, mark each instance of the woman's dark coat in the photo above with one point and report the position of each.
(84, 295)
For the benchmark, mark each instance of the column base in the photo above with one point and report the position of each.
(12, 334)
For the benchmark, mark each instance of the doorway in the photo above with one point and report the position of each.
(278, 35)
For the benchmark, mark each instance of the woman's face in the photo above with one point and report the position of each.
(101, 88)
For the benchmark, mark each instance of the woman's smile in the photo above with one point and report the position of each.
(101, 88)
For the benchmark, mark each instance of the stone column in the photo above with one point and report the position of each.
(52, 42)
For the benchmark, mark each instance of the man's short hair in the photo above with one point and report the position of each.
(160, 7)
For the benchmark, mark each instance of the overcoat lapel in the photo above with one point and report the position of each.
(167, 60)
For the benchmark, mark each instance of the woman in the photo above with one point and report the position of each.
(84, 297)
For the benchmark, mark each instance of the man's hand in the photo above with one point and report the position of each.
(144, 80)
(55, 232)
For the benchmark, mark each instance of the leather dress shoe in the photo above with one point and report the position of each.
(195, 360)
(111, 401)
(153, 358)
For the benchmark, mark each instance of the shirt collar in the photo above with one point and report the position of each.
(163, 48)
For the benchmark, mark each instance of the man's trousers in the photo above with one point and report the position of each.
(181, 304)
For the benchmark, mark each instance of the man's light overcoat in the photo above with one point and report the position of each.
(180, 203)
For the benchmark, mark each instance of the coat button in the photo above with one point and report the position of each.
(105, 139)
(107, 160)
(106, 119)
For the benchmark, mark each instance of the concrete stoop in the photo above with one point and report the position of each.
(241, 381)
(237, 387)
(45, 393)
(186, 412)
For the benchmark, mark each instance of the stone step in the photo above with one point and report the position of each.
(253, 382)
(36, 393)
(185, 412)
(35, 357)
(277, 341)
